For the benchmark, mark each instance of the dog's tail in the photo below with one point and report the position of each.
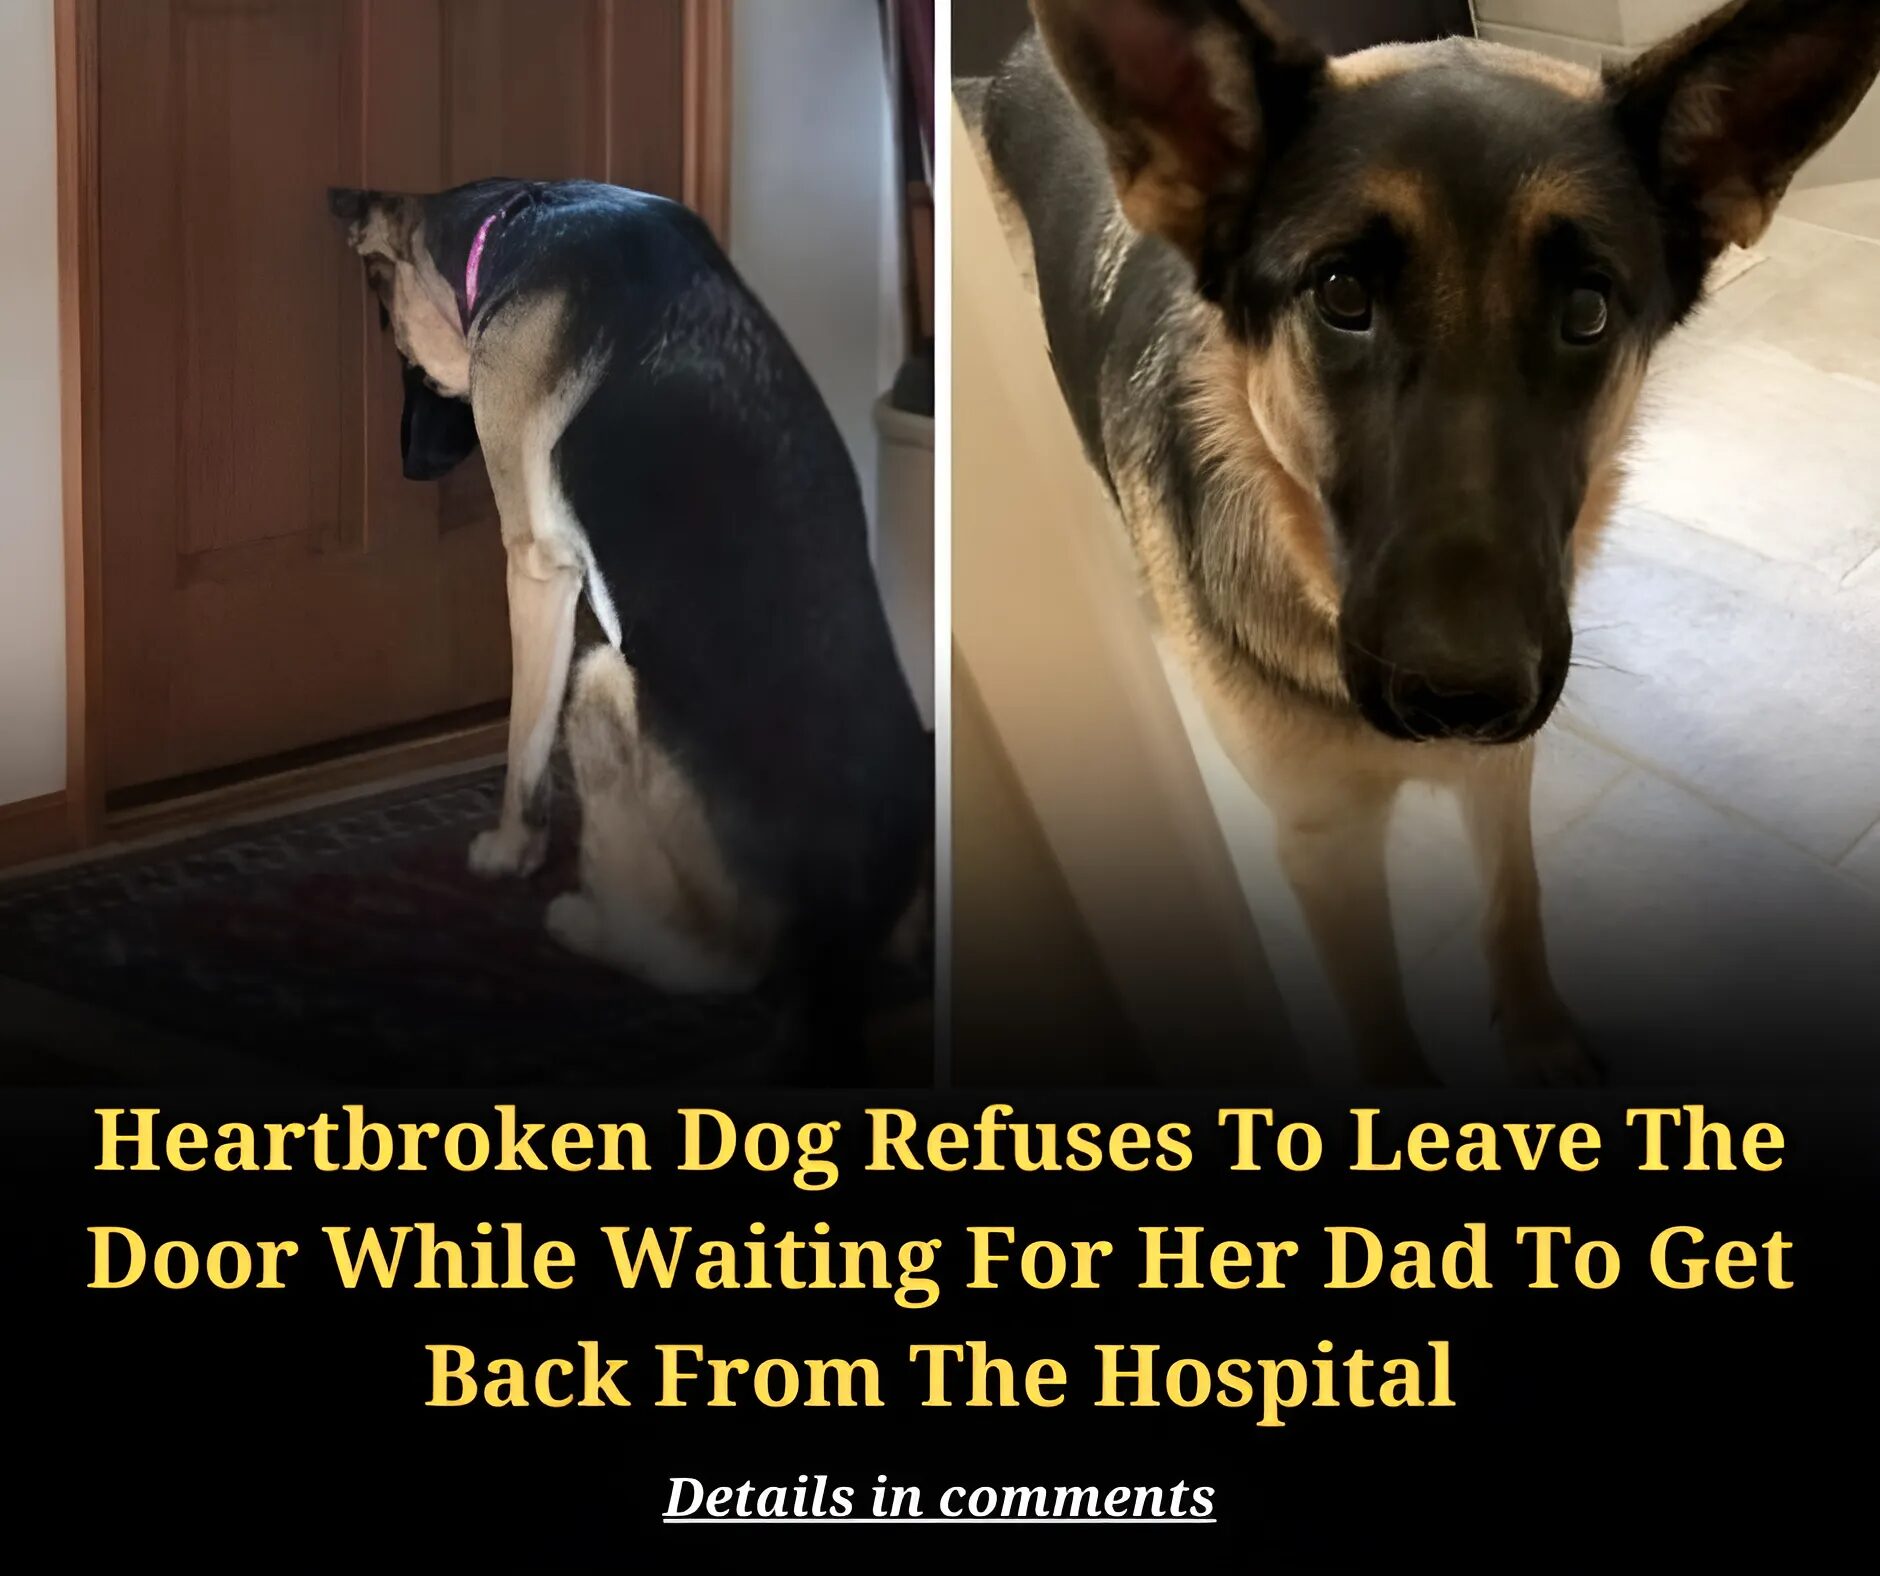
(602, 721)
(603, 732)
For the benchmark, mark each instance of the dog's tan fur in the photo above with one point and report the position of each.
(656, 898)
(1330, 780)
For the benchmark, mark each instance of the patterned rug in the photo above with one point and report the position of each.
(350, 944)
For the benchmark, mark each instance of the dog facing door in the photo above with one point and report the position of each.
(1355, 345)
(755, 784)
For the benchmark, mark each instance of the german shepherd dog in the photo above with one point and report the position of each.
(1355, 344)
(755, 783)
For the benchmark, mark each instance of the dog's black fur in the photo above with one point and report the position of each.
(436, 433)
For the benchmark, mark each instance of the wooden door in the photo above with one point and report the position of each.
(270, 581)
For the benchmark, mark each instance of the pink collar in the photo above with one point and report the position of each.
(476, 260)
(475, 265)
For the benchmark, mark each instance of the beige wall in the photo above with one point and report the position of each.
(1031, 1003)
(32, 577)
(1593, 31)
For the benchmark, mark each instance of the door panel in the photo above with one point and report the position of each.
(270, 580)
(510, 72)
(261, 289)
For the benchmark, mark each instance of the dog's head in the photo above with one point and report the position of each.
(437, 431)
(1447, 266)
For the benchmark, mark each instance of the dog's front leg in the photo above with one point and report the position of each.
(1536, 1028)
(542, 598)
(1331, 846)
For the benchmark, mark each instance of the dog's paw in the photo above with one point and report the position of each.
(508, 851)
(1552, 1057)
(575, 921)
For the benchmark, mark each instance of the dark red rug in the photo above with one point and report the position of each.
(351, 944)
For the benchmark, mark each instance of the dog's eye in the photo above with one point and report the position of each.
(1588, 312)
(1344, 299)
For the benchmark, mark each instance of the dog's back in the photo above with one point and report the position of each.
(724, 516)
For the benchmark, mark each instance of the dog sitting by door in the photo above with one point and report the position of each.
(755, 783)
(1355, 344)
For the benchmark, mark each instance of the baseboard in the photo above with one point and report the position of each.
(283, 789)
(32, 829)
(39, 829)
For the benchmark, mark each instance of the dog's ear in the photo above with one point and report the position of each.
(377, 222)
(348, 203)
(1191, 98)
(436, 433)
(1722, 115)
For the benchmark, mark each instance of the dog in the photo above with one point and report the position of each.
(1355, 345)
(754, 780)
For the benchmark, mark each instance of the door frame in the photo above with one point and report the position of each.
(85, 820)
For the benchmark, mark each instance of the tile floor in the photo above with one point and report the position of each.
(1708, 802)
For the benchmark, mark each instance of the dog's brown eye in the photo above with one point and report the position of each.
(1588, 313)
(1344, 299)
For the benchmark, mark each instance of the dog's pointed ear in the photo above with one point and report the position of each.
(1722, 115)
(1190, 96)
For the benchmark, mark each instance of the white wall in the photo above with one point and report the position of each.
(32, 554)
(1594, 31)
(812, 218)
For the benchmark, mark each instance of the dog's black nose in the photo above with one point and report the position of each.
(1489, 709)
